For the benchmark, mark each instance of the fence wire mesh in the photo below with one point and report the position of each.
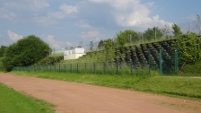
(159, 60)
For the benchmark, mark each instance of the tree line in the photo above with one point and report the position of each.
(133, 37)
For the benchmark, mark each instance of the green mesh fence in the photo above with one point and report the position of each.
(161, 60)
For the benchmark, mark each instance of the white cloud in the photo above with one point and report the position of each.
(83, 24)
(40, 4)
(5, 14)
(26, 5)
(132, 13)
(54, 17)
(35, 11)
(69, 44)
(53, 43)
(57, 15)
(68, 9)
(91, 35)
(13, 36)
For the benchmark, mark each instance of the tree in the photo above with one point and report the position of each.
(25, 52)
(176, 30)
(189, 48)
(127, 36)
(153, 33)
(2, 50)
(100, 44)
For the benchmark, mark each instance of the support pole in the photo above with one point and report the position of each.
(161, 62)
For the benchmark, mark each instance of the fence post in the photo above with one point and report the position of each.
(64, 67)
(175, 61)
(59, 68)
(103, 67)
(70, 68)
(77, 68)
(149, 62)
(131, 63)
(94, 67)
(161, 62)
(117, 68)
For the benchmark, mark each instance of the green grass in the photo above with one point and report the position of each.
(14, 102)
(168, 85)
(192, 70)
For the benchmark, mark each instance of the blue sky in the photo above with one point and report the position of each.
(65, 23)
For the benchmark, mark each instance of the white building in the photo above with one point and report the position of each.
(73, 53)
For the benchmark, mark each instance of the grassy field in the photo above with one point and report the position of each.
(168, 85)
(14, 102)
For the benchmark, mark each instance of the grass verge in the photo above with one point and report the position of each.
(14, 102)
(168, 85)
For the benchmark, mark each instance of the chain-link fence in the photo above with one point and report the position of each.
(158, 61)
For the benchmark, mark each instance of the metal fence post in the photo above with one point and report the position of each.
(131, 64)
(149, 62)
(70, 68)
(65, 67)
(77, 68)
(161, 62)
(94, 67)
(103, 67)
(117, 68)
(175, 61)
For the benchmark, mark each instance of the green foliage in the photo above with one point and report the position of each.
(2, 50)
(14, 102)
(127, 36)
(176, 30)
(25, 52)
(101, 44)
(50, 60)
(109, 50)
(189, 46)
(192, 69)
(152, 33)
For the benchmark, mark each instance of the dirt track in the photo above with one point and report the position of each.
(81, 98)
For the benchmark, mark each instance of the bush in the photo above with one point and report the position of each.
(193, 69)
(50, 60)
(189, 46)
(25, 52)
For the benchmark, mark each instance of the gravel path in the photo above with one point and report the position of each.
(72, 97)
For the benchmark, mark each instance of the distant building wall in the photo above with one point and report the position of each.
(59, 51)
(73, 54)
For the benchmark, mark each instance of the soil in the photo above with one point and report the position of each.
(72, 97)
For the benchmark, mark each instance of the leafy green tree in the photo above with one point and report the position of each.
(176, 30)
(153, 33)
(189, 46)
(25, 52)
(127, 36)
(100, 44)
(2, 50)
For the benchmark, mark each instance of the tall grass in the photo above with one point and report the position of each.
(192, 70)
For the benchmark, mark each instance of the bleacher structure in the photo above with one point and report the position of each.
(144, 54)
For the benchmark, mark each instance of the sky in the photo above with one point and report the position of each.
(66, 23)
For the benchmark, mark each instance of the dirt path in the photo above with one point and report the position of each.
(81, 98)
